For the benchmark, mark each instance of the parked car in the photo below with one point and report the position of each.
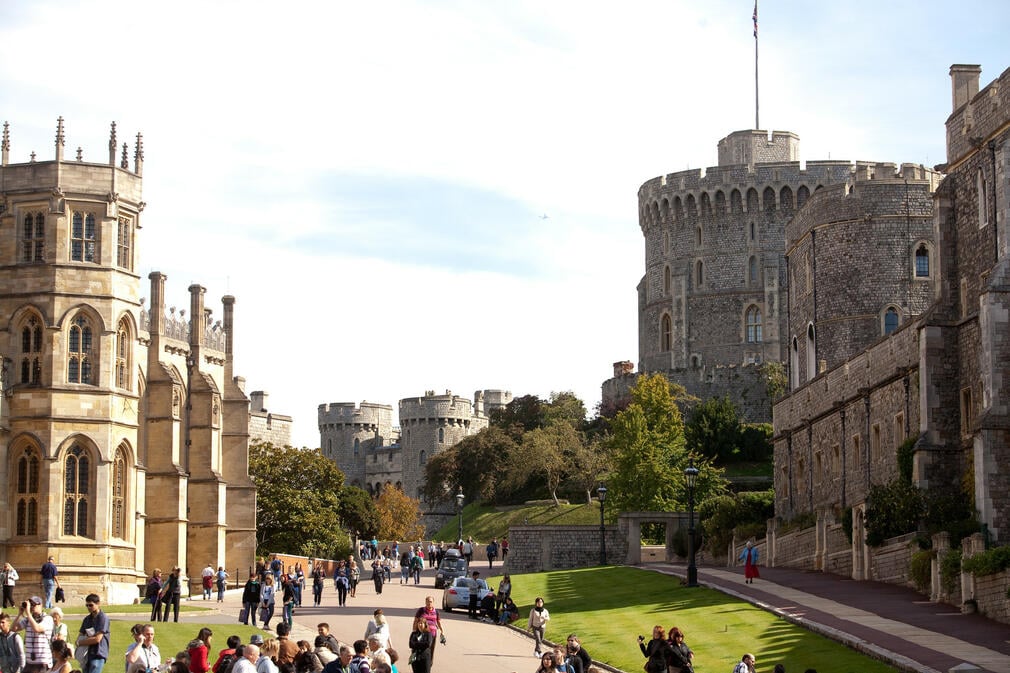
(457, 594)
(451, 567)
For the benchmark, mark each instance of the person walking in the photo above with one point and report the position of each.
(171, 594)
(342, 587)
(267, 602)
(377, 575)
(378, 625)
(420, 646)
(222, 583)
(749, 556)
(94, 634)
(251, 599)
(681, 656)
(8, 578)
(207, 577)
(537, 623)
(154, 594)
(49, 581)
(430, 614)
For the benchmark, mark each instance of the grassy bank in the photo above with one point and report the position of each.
(610, 607)
(485, 522)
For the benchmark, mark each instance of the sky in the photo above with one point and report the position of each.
(408, 196)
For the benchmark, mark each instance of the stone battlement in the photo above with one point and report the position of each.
(350, 413)
(419, 409)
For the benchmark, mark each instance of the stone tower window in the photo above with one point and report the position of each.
(754, 325)
(802, 194)
(31, 351)
(666, 242)
(82, 237)
(119, 494)
(667, 281)
(794, 364)
(441, 435)
(786, 198)
(891, 320)
(357, 445)
(124, 244)
(769, 199)
(79, 362)
(752, 270)
(811, 352)
(736, 201)
(33, 238)
(666, 332)
(983, 208)
(752, 231)
(697, 237)
(123, 354)
(77, 492)
(699, 273)
(922, 261)
(26, 489)
(422, 458)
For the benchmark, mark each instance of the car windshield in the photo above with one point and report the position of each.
(453, 564)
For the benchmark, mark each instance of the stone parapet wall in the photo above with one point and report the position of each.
(541, 548)
(890, 561)
(991, 596)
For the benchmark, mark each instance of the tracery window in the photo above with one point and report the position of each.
(119, 494)
(33, 238)
(754, 325)
(26, 491)
(76, 498)
(31, 351)
(123, 353)
(79, 351)
(666, 329)
(82, 237)
(124, 244)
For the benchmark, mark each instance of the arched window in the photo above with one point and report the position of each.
(31, 351)
(802, 194)
(123, 354)
(811, 352)
(666, 332)
(441, 435)
(769, 200)
(357, 445)
(794, 364)
(329, 445)
(753, 203)
(706, 205)
(666, 242)
(754, 325)
(922, 262)
(79, 351)
(33, 238)
(422, 458)
(667, 281)
(983, 200)
(82, 237)
(678, 209)
(692, 207)
(697, 236)
(119, 494)
(752, 270)
(77, 492)
(26, 491)
(699, 273)
(736, 201)
(720, 203)
(891, 319)
(124, 244)
(786, 198)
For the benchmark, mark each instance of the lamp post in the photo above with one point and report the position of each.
(601, 492)
(691, 478)
(459, 511)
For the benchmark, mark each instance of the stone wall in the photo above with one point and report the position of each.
(890, 561)
(541, 548)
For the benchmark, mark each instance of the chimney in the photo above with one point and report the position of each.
(964, 83)
(258, 400)
(229, 324)
(157, 312)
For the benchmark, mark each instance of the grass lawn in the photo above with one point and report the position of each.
(129, 609)
(170, 637)
(610, 607)
(486, 522)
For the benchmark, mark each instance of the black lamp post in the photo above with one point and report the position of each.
(459, 511)
(601, 492)
(691, 478)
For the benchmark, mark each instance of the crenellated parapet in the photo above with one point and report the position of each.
(446, 408)
(349, 413)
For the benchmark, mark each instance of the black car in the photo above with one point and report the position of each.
(451, 567)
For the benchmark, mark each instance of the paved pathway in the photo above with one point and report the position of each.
(891, 623)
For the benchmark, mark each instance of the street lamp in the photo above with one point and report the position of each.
(459, 511)
(691, 478)
(601, 492)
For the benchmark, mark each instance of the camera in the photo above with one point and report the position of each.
(641, 639)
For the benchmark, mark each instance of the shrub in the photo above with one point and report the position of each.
(950, 570)
(892, 509)
(920, 568)
(905, 456)
(847, 523)
(721, 515)
(989, 562)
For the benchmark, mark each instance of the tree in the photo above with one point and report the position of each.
(546, 454)
(526, 412)
(649, 452)
(297, 501)
(357, 511)
(399, 515)
(478, 463)
(565, 406)
(714, 430)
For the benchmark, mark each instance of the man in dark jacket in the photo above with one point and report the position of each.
(251, 598)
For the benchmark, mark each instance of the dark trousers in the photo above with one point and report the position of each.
(171, 603)
(8, 595)
(156, 609)
(341, 593)
(472, 607)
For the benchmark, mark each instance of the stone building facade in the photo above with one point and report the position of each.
(940, 377)
(106, 402)
(712, 305)
(266, 425)
(372, 453)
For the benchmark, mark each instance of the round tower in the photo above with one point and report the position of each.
(429, 425)
(349, 432)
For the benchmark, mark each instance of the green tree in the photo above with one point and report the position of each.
(297, 501)
(526, 412)
(649, 453)
(714, 430)
(546, 456)
(565, 406)
(478, 463)
(357, 511)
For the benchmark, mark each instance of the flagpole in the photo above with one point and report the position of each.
(757, 117)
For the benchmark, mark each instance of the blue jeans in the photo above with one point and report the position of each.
(94, 666)
(270, 615)
(49, 586)
(251, 609)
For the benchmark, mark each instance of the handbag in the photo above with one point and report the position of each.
(264, 614)
(61, 597)
(243, 614)
(81, 655)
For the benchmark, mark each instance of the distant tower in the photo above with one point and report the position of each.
(348, 432)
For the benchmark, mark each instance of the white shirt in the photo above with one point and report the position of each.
(243, 665)
(148, 659)
(208, 572)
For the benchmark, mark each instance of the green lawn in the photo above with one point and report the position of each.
(610, 607)
(131, 608)
(486, 522)
(170, 637)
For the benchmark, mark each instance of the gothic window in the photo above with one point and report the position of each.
(891, 319)
(124, 244)
(754, 325)
(678, 209)
(441, 435)
(666, 242)
(753, 203)
(119, 494)
(31, 351)
(706, 205)
(752, 231)
(983, 208)
(666, 329)
(33, 238)
(82, 237)
(26, 491)
(79, 362)
(667, 281)
(736, 201)
(720, 203)
(357, 445)
(77, 494)
(811, 352)
(794, 364)
(786, 198)
(697, 236)
(769, 199)
(123, 353)
(699, 273)
(922, 262)
(752, 271)
(802, 194)
(692, 208)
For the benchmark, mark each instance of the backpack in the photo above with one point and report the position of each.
(226, 663)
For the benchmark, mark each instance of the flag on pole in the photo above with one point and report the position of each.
(755, 19)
